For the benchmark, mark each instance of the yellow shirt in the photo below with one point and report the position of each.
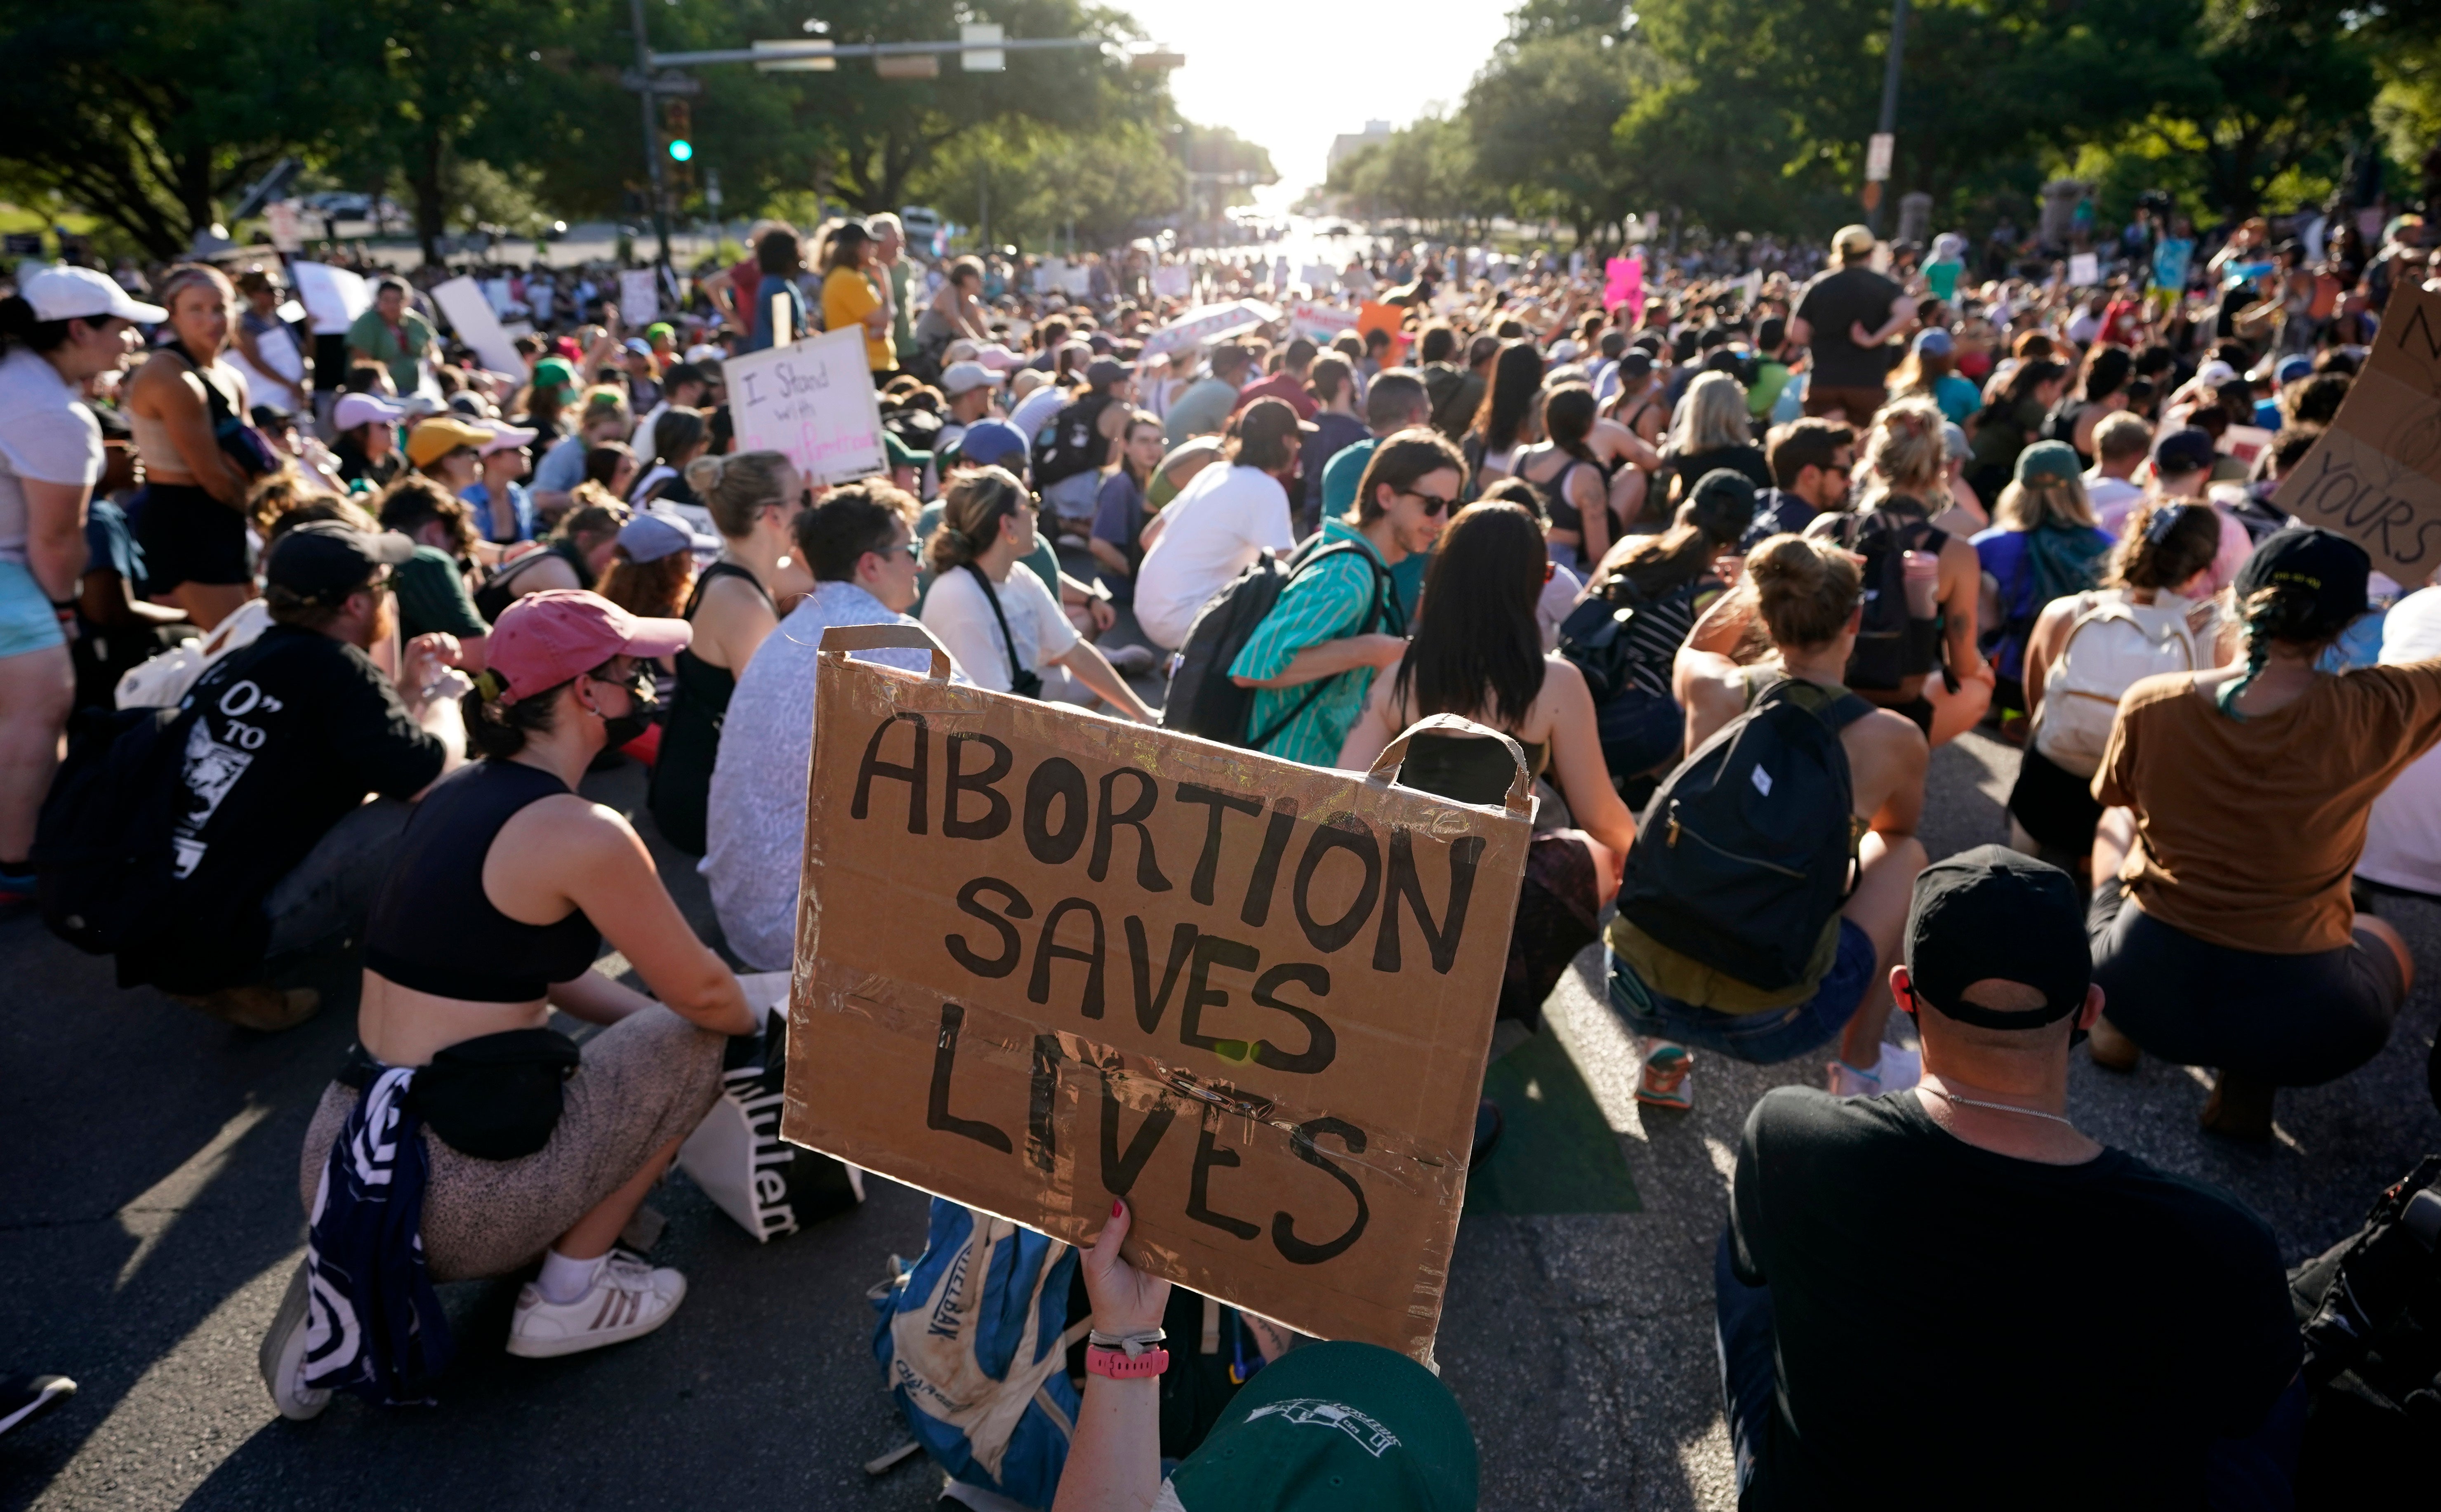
(848, 296)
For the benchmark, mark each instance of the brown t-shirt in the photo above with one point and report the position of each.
(2246, 830)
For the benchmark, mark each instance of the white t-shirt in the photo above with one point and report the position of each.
(960, 618)
(45, 435)
(1036, 410)
(2113, 499)
(1219, 522)
(2403, 837)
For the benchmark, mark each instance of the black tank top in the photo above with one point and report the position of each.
(681, 785)
(432, 927)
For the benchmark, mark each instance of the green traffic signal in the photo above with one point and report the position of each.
(680, 149)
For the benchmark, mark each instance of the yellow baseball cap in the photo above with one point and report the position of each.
(438, 436)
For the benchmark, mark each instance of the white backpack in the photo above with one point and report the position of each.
(2111, 644)
(162, 680)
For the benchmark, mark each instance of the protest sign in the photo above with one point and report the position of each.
(640, 297)
(284, 225)
(334, 296)
(1383, 318)
(1208, 323)
(1319, 322)
(2171, 257)
(470, 314)
(1623, 285)
(812, 399)
(2244, 442)
(1317, 278)
(1172, 280)
(1045, 959)
(2084, 270)
(2375, 476)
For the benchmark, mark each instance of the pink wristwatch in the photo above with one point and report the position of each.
(1120, 1365)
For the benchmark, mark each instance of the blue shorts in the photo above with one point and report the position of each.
(28, 622)
(1765, 1038)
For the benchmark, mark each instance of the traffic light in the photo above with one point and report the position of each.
(676, 130)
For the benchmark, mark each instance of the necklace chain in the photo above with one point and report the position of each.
(1998, 1107)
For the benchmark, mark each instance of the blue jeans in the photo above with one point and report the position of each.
(1763, 1039)
(1640, 732)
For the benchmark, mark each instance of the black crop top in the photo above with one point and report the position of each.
(434, 930)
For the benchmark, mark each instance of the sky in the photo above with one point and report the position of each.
(1293, 74)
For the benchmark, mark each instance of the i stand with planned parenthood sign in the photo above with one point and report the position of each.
(813, 400)
(1046, 958)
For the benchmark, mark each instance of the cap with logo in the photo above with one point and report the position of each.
(546, 638)
(1994, 913)
(321, 562)
(1336, 1426)
(81, 294)
(2331, 569)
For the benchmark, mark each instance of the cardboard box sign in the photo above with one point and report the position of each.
(1045, 958)
(2375, 476)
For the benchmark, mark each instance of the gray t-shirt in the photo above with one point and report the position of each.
(45, 435)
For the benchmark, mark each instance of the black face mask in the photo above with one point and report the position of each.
(643, 706)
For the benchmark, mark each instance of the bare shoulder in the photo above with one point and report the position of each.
(569, 826)
(1888, 735)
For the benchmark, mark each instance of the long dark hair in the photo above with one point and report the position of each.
(1478, 646)
(2029, 375)
(1569, 419)
(1516, 376)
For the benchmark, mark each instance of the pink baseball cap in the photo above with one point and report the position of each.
(546, 638)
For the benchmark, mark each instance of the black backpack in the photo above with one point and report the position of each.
(1202, 700)
(2370, 1307)
(101, 845)
(1892, 646)
(1747, 848)
(1072, 443)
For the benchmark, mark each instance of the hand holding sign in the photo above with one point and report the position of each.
(2375, 476)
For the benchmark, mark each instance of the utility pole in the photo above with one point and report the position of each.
(1889, 115)
(652, 136)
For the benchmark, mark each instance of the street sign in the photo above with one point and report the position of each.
(660, 83)
(811, 56)
(1877, 157)
(981, 58)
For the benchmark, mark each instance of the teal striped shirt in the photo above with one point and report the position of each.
(1326, 603)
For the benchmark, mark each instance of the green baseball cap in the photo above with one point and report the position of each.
(1330, 1427)
(2048, 458)
(553, 372)
(902, 455)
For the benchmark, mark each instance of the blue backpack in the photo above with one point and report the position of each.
(973, 1345)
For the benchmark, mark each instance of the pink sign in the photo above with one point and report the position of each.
(1623, 284)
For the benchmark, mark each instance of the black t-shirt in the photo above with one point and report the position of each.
(1777, 514)
(277, 742)
(2001, 1332)
(1690, 468)
(1833, 301)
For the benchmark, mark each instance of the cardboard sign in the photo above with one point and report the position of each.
(640, 297)
(2084, 270)
(471, 315)
(812, 399)
(1623, 285)
(1208, 323)
(1045, 958)
(334, 296)
(1319, 322)
(2376, 474)
(1383, 318)
(1172, 280)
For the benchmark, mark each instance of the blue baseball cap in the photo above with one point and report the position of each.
(992, 444)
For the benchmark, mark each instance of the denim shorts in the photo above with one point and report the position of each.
(1762, 1038)
(27, 620)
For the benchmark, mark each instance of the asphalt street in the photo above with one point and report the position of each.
(148, 1219)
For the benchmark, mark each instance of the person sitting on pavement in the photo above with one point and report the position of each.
(1324, 1425)
(1339, 619)
(1002, 625)
(1981, 1193)
(1810, 464)
(2042, 547)
(1807, 593)
(2235, 807)
(430, 588)
(575, 556)
(859, 543)
(505, 885)
(1219, 523)
(274, 853)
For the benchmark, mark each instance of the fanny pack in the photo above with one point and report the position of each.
(496, 1097)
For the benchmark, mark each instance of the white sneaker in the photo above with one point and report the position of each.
(281, 1359)
(1898, 1070)
(628, 1299)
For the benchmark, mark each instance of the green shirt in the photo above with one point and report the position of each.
(371, 335)
(432, 596)
(1328, 602)
(1339, 479)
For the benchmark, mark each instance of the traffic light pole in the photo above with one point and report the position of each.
(652, 143)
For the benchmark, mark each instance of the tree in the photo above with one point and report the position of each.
(1539, 116)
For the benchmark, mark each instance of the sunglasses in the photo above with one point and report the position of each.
(1434, 504)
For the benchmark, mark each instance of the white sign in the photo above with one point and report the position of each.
(334, 296)
(1877, 157)
(1319, 322)
(640, 297)
(287, 227)
(470, 314)
(1172, 280)
(812, 399)
(982, 59)
(1318, 278)
(2084, 270)
(1209, 323)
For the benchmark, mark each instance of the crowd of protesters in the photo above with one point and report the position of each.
(343, 622)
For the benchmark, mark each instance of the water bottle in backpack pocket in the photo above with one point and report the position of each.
(1894, 642)
(2111, 644)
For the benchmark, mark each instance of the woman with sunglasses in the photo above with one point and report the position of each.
(1337, 621)
(1005, 628)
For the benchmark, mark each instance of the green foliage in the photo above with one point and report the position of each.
(1033, 185)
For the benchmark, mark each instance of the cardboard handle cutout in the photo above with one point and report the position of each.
(1385, 766)
(846, 637)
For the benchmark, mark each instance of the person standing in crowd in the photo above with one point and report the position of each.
(893, 268)
(2043, 546)
(265, 350)
(859, 543)
(2236, 806)
(779, 263)
(1979, 1186)
(506, 884)
(190, 517)
(1844, 315)
(1220, 521)
(850, 299)
(1004, 628)
(272, 855)
(753, 498)
(394, 335)
(1340, 620)
(1929, 372)
(1119, 509)
(1807, 595)
(1205, 407)
(64, 328)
